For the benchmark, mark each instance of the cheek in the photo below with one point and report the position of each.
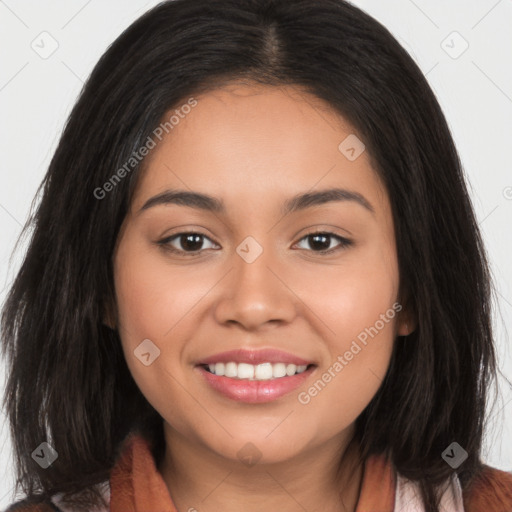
(350, 296)
(154, 296)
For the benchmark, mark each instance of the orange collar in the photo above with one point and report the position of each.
(137, 486)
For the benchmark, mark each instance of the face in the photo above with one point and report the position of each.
(193, 281)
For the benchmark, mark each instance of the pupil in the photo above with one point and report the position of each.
(324, 238)
(190, 245)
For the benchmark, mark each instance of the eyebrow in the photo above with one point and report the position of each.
(296, 203)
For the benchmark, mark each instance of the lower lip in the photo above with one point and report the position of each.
(254, 391)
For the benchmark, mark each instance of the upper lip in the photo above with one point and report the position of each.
(255, 357)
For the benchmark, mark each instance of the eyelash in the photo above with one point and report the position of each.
(165, 243)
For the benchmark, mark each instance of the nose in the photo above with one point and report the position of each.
(256, 294)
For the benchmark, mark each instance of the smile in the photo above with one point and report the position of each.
(259, 389)
(264, 371)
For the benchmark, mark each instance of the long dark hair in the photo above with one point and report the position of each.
(68, 382)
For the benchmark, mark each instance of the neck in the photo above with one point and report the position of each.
(326, 477)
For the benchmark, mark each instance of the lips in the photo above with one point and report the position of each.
(254, 391)
(255, 357)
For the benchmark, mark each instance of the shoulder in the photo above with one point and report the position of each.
(29, 505)
(489, 491)
(54, 502)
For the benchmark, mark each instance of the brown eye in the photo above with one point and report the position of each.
(190, 242)
(321, 242)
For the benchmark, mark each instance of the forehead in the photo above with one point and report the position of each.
(254, 143)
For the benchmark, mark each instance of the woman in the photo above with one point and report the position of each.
(255, 279)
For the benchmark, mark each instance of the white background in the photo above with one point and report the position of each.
(474, 90)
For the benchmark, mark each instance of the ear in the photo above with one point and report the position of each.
(406, 324)
(407, 321)
(109, 317)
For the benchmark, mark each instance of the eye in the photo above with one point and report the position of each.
(321, 240)
(187, 242)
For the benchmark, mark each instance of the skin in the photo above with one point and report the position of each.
(254, 147)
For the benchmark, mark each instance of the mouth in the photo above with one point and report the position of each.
(254, 376)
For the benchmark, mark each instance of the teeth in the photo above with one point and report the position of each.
(279, 370)
(231, 370)
(290, 369)
(263, 371)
